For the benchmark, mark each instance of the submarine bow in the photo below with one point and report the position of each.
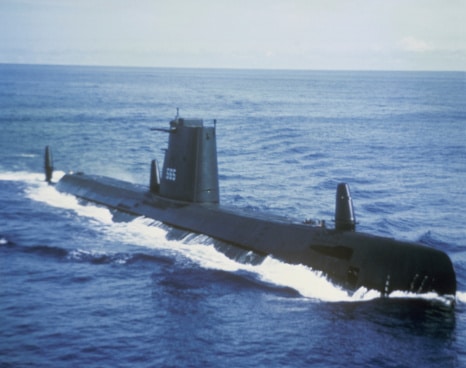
(185, 195)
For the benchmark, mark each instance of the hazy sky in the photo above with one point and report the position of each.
(291, 34)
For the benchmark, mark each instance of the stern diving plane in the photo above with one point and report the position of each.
(185, 196)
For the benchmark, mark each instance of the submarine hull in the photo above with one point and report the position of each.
(349, 259)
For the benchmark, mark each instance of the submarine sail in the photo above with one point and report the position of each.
(185, 195)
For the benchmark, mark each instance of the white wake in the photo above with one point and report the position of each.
(151, 234)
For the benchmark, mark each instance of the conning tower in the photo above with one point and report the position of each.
(190, 171)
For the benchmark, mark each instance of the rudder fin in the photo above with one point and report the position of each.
(48, 164)
(344, 212)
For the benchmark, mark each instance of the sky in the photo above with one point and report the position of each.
(264, 34)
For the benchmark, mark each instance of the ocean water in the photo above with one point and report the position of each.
(80, 289)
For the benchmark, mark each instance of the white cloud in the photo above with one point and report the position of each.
(413, 44)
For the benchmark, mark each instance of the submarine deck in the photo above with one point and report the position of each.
(351, 259)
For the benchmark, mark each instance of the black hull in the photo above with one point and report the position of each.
(350, 259)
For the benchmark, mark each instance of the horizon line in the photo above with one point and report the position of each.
(231, 68)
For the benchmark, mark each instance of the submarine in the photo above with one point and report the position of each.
(184, 195)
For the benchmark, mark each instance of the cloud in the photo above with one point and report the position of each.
(412, 44)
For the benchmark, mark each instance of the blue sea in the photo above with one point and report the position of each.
(80, 289)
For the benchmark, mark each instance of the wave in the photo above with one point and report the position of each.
(23, 176)
(86, 256)
(199, 249)
(432, 239)
(461, 297)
